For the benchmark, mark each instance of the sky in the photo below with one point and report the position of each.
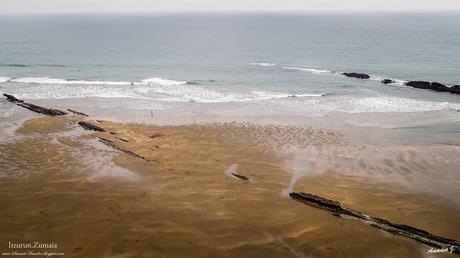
(110, 6)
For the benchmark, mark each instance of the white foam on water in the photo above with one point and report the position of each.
(51, 88)
(261, 95)
(48, 80)
(264, 64)
(161, 81)
(398, 82)
(396, 104)
(189, 93)
(4, 79)
(154, 88)
(156, 92)
(378, 104)
(47, 91)
(166, 92)
(147, 91)
(192, 93)
(312, 70)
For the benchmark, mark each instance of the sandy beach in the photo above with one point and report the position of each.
(167, 191)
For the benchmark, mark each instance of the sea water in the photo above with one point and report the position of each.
(206, 67)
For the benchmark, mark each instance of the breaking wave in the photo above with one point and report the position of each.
(312, 70)
(398, 82)
(4, 79)
(154, 88)
(48, 80)
(164, 82)
(263, 64)
(280, 95)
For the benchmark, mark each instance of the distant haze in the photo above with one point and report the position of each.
(96, 6)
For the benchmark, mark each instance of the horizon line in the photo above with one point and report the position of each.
(237, 11)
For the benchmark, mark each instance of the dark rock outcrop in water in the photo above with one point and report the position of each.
(455, 89)
(357, 75)
(34, 108)
(89, 126)
(387, 81)
(419, 84)
(336, 209)
(434, 86)
(12, 98)
(439, 87)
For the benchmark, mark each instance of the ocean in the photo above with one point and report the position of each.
(275, 68)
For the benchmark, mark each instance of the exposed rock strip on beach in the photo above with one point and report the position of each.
(91, 127)
(336, 209)
(34, 108)
(77, 112)
(116, 147)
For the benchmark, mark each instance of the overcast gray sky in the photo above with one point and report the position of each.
(71, 6)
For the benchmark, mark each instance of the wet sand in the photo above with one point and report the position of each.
(60, 184)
